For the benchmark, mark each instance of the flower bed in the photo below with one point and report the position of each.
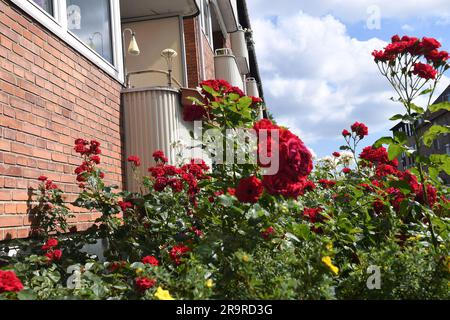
(354, 227)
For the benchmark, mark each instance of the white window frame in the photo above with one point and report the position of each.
(58, 26)
(206, 21)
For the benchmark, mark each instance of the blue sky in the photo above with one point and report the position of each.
(317, 71)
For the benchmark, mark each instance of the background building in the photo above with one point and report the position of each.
(93, 69)
(440, 146)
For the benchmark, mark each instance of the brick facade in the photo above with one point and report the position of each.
(49, 96)
(208, 54)
(192, 51)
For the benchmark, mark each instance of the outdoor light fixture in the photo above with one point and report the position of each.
(169, 55)
(92, 43)
(133, 48)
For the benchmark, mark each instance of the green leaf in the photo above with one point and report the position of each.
(301, 231)
(394, 151)
(245, 102)
(433, 133)
(434, 173)
(400, 137)
(440, 106)
(211, 91)
(417, 109)
(384, 140)
(426, 92)
(27, 294)
(442, 161)
(396, 117)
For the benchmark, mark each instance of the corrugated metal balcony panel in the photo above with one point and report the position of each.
(252, 87)
(240, 50)
(227, 69)
(152, 121)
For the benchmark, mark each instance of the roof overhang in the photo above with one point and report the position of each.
(135, 9)
(228, 9)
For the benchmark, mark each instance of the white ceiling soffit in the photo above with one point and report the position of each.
(228, 8)
(132, 9)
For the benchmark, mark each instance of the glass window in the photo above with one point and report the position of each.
(47, 5)
(207, 20)
(91, 22)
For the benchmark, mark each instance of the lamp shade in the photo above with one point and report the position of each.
(133, 49)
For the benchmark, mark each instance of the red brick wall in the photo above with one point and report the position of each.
(208, 54)
(49, 96)
(191, 26)
(192, 51)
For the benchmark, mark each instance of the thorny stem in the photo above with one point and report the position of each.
(406, 100)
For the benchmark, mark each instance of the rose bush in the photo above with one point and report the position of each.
(236, 232)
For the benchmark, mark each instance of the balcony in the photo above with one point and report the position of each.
(151, 104)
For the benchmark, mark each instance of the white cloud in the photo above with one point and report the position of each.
(407, 28)
(317, 79)
(353, 10)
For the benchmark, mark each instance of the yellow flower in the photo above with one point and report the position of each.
(163, 294)
(330, 265)
(330, 246)
(447, 260)
(209, 283)
(139, 271)
(245, 258)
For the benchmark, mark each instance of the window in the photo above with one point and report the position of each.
(47, 5)
(91, 22)
(93, 28)
(206, 20)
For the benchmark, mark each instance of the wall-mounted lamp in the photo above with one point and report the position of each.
(133, 48)
(92, 43)
(169, 55)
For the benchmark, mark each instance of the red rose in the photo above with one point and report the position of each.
(327, 184)
(144, 283)
(54, 255)
(125, 205)
(95, 159)
(437, 57)
(378, 206)
(81, 142)
(283, 185)
(193, 112)
(429, 44)
(235, 90)
(42, 178)
(360, 129)
(161, 184)
(295, 158)
(346, 133)
(336, 154)
(268, 233)
(150, 260)
(101, 175)
(249, 190)
(177, 252)
(431, 195)
(113, 267)
(309, 185)
(135, 160)
(346, 170)
(231, 191)
(51, 243)
(158, 155)
(9, 282)
(313, 214)
(424, 71)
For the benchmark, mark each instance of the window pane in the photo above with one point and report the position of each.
(91, 22)
(47, 5)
